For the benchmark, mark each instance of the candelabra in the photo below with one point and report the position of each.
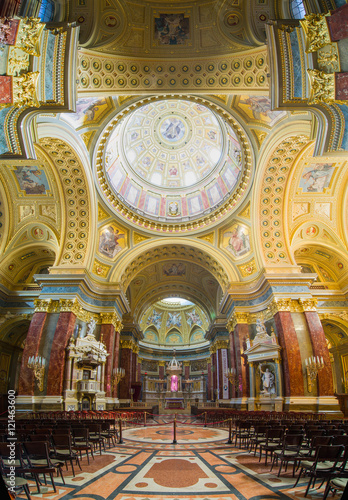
(37, 364)
(232, 376)
(313, 366)
(117, 375)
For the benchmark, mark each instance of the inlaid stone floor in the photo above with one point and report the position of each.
(201, 466)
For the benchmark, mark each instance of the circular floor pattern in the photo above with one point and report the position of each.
(185, 434)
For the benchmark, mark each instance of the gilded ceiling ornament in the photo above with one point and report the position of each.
(139, 238)
(25, 90)
(208, 237)
(316, 31)
(100, 269)
(322, 87)
(248, 268)
(102, 214)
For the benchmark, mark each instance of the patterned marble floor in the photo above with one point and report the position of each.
(201, 466)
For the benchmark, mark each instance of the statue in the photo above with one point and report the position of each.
(174, 383)
(267, 381)
(91, 326)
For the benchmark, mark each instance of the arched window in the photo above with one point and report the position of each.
(297, 9)
(46, 13)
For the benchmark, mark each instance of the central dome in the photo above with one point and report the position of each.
(172, 161)
(172, 144)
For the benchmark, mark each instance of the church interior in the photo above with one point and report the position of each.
(174, 228)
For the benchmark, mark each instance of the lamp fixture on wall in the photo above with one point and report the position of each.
(231, 374)
(37, 364)
(313, 366)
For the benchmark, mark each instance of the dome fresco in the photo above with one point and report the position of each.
(180, 323)
(173, 159)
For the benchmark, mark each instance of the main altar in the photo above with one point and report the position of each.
(174, 399)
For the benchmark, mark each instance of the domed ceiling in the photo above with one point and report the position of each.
(174, 321)
(171, 160)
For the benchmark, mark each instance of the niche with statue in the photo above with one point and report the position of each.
(264, 360)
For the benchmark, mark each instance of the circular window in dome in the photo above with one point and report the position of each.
(172, 160)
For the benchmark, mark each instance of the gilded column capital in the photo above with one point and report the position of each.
(129, 344)
(316, 31)
(46, 305)
(322, 87)
(218, 344)
(24, 89)
(237, 318)
(208, 360)
(111, 319)
(308, 304)
(161, 363)
(280, 305)
(212, 349)
(187, 363)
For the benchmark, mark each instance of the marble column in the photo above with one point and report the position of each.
(209, 379)
(232, 387)
(220, 377)
(291, 355)
(116, 361)
(107, 333)
(161, 365)
(126, 359)
(319, 346)
(187, 369)
(64, 330)
(241, 333)
(32, 345)
(214, 375)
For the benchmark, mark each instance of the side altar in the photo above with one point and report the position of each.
(264, 360)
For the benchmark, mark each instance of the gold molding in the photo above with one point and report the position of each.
(238, 318)
(129, 344)
(322, 87)
(111, 318)
(308, 304)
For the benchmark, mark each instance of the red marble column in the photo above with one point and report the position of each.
(64, 330)
(241, 332)
(187, 371)
(232, 388)
(214, 373)
(134, 366)
(209, 377)
(32, 344)
(319, 346)
(107, 333)
(115, 364)
(292, 363)
(139, 370)
(161, 372)
(126, 363)
(221, 381)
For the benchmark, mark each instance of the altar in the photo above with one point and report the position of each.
(174, 403)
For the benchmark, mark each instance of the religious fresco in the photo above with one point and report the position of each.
(316, 177)
(88, 110)
(32, 180)
(111, 241)
(236, 240)
(172, 29)
(173, 319)
(175, 269)
(155, 318)
(193, 318)
(258, 108)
